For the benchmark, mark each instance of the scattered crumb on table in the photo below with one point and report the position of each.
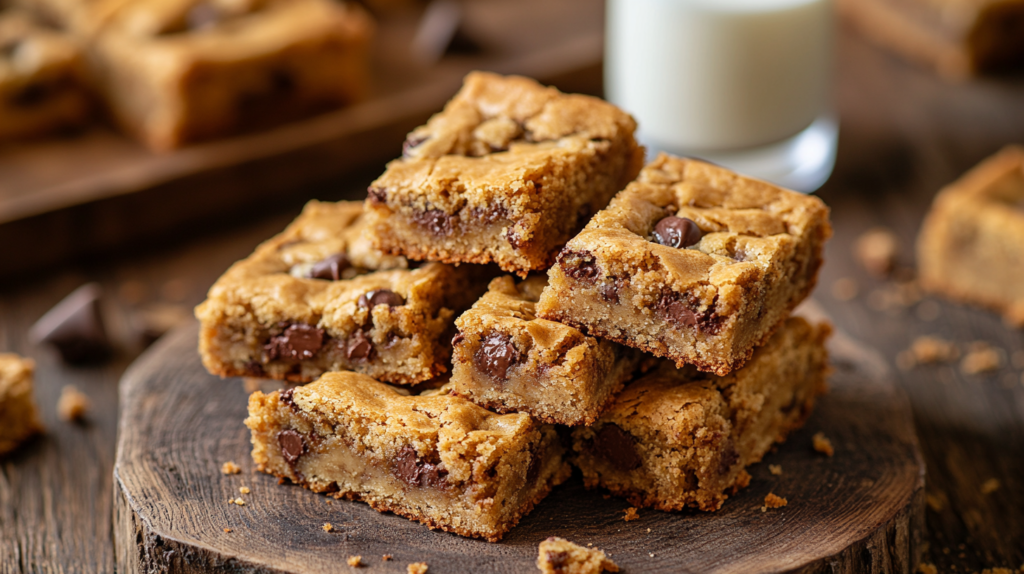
(631, 514)
(989, 486)
(230, 467)
(557, 555)
(875, 250)
(355, 561)
(844, 289)
(417, 568)
(72, 404)
(929, 349)
(227, 530)
(243, 489)
(981, 357)
(822, 444)
(237, 501)
(775, 469)
(328, 527)
(773, 501)
(934, 502)
(386, 557)
(926, 568)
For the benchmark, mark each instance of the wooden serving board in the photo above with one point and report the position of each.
(859, 511)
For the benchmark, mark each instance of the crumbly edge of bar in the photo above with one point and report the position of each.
(19, 410)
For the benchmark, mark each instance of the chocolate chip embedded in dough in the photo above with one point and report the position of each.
(371, 299)
(298, 342)
(678, 232)
(359, 346)
(579, 265)
(411, 143)
(677, 311)
(75, 327)
(330, 268)
(458, 338)
(292, 445)
(377, 195)
(496, 355)
(617, 447)
(558, 559)
(414, 471)
(435, 220)
(728, 458)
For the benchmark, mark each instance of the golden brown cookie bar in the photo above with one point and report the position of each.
(41, 86)
(19, 418)
(506, 174)
(319, 298)
(678, 438)
(971, 246)
(956, 38)
(691, 262)
(507, 360)
(559, 556)
(433, 457)
(177, 71)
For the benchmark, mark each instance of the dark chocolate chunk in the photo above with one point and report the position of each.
(728, 458)
(617, 447)
(359, 346)
(371, 299)
(412, 142)
(75, 327)
(533, 471)
(580, 265)
(292, 445)
(254, 369)
(330, 268)
(489, 214)
(414, 471)
(288, 398)
(435, 220)
(674, 309)
(377, 195)
(676, 232)
(496, 355)
(514, 239)
(296, 343)
(610, 291)
(558, 559)
(458, 338)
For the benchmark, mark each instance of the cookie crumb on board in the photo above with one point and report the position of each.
(72, 404)
(228, 530)
(558, 555)
(775, 469)
(926, 568)
(355, 561)
(417, 568)
(989, 486)
(243, 489)
(631, 514)
(875, 250)
(929, 349)
(386, 557)
(981, 358)
(822, 444)
(230, 467)
(844, 289)
(328, 527)
(772, 500)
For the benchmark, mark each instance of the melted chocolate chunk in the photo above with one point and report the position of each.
(610, 291)
(558, 559)
(411, 143)
(296, 343)
(254, 369)
(330, 268)
(292, 445)
(371, 299)
(412, 470)
(288, 398)
(676, 232)
(458, 338)
(359, 346)
(377, 195)
(435, 220)
(533, 471)
(490, 214)
(674, 309)
(580, 265)
(75, 327)
(728, 458)
(617, 447)
(496, 355)
(514, 239)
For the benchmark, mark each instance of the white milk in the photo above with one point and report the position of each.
(719, 74)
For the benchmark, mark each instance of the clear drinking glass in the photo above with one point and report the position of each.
(743, 83)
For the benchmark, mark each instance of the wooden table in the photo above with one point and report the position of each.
(904, 134)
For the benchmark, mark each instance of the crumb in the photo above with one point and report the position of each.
(989, 486)
(981, 358)
(417, 568)
(386, 557)
(928, 311)
(72, 404)
(651, 554)
(227, 530)
(775, 469)
(631, 514)
(822, 444)
(925, 568)
(876, 250)
(239, 502)
(929, 349)
(773, 501)
(934, 502)
(557, 555)
(243, 489)
(844, 289)
(328, 527)
(648, 530)
(230, 467)
(355, 561)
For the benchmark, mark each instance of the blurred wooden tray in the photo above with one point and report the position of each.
(94, 191)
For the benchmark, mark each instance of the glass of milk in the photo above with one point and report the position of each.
(743, 83)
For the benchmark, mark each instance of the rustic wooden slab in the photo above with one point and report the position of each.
(859, 511)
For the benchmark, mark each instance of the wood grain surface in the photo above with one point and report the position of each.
(859, 510)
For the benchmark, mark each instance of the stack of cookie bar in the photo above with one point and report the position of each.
(656, 354)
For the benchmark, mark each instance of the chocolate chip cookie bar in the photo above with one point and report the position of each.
(178, 71)
(691, 262)
(41, 85)
(507, 360)
(680, 438)
(319, 298)
(506, 174)
(956, 38)
(432, 457)
(559, 556)
(971, 245)
(19, 418)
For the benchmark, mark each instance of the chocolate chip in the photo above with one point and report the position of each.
(458, 338)
(75, 327)
(610, 291)
(412, 142)
(533, 471)
(558, 559)
(359, 346)
(672, 308)
(371, 299)
(202, 15)
(412, 470)
(496, 355)
(292, 445)
(514, 239)
(728, 458)
(377, 195)
(330, 268)
(489, 214)
(676, 232)
(254, 369)
(298, 342)
(617, 447)
(437, 221)
(579, 265)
